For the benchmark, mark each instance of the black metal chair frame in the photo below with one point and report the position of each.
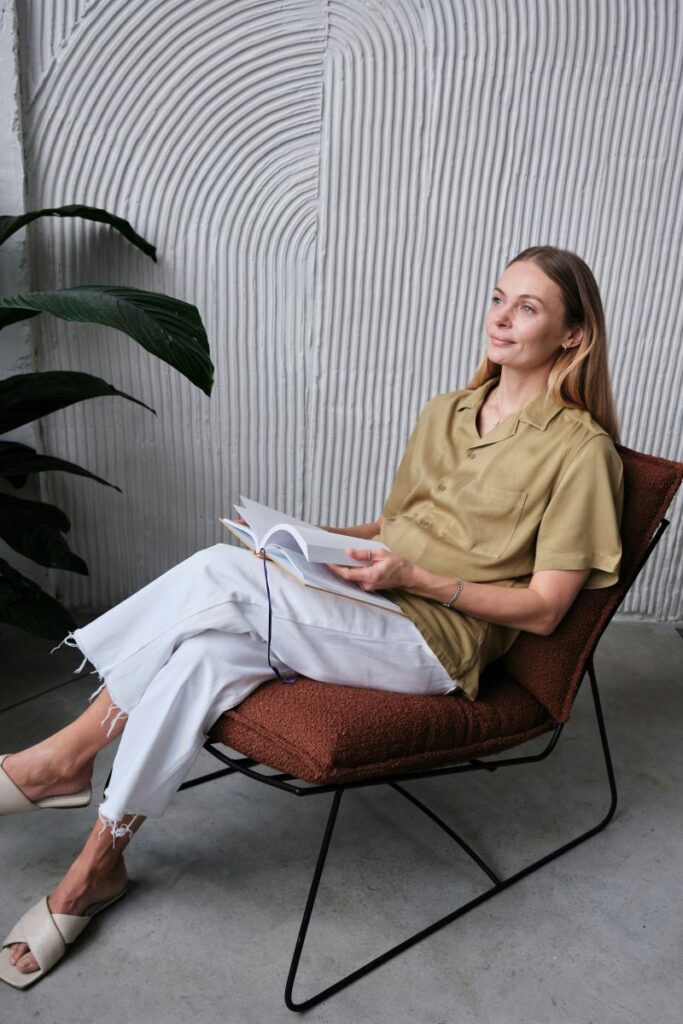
(288, 783)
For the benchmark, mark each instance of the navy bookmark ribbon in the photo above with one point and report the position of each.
(283, 679)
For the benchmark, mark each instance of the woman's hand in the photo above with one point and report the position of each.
(383, 569)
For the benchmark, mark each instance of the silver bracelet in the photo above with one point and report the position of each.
(456, 595)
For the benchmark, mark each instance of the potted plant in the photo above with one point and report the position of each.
(170, 329)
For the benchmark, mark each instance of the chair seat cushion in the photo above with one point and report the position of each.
(323, 732)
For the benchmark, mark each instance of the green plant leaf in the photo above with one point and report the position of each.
(27, 396)
(18, 460)
(170, 329)
(26, 605)
(8, 225)
(34, 529)
(12, 316)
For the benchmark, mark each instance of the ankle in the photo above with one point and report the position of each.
(47, 759)
(97, 860)
(82, 766)
(77, 769)
(69, 756)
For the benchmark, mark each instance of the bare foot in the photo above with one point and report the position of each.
(79, 888)
(39, 771)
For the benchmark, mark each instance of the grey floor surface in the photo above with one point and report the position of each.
(219, 883)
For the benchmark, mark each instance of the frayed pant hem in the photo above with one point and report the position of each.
(115, 825)
(120, 714)
(70, 641)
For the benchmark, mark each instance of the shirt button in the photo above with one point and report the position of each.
(424, 522)
(471, 455)
(442, 487)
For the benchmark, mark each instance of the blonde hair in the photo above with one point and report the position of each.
(579, 378)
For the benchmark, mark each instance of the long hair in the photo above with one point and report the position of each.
(579, 377)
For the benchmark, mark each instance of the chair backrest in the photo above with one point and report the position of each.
(551, 667)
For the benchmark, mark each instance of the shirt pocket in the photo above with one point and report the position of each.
(484, 518)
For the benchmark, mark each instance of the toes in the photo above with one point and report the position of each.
(17, 949)
(27, 963)
(23, 958)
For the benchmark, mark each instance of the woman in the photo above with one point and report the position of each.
(507, 502)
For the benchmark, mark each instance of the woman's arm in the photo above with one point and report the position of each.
(366, 531)
(537, 608)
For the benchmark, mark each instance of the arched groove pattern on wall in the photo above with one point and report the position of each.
(337, 184)
(46, 35)
(212, 150)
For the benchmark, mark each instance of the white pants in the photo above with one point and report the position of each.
(192, 644)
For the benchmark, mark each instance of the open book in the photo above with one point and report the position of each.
(303, 550)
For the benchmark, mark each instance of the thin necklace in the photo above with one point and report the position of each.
(500, 417)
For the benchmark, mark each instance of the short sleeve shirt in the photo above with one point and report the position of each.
(542, 490)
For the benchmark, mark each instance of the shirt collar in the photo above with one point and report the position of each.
(538, 412)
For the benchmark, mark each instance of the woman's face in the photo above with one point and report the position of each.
(524, 324)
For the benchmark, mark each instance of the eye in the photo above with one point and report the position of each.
(527, 306)
(494, 298)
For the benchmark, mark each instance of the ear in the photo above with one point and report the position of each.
(576, 337)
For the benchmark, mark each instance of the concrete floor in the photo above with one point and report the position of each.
(219, 883)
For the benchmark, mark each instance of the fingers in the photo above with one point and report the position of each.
(365, 575)
(361, 555)
(348, 572)
(342, 570)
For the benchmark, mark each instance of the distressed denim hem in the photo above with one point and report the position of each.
(70, 641)
(121, 714)
(116, 826)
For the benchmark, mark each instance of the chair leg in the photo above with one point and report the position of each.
(499, 884)
(605, 745)
(313, 891)
(395, 950)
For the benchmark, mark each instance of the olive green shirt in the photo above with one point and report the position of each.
(542, 490)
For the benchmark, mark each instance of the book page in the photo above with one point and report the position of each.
(318, 545)
(241, 531)
(261, 518)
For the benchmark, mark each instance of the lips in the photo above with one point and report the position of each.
(501, 341)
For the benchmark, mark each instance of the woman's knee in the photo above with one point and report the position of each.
(206, 559)
(201, 658)
(217, 554)
(207, 554)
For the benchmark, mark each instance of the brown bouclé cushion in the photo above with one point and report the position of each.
(325, 732)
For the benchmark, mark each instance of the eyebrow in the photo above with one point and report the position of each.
(524, 296)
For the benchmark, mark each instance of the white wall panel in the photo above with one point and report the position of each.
(16, 350)
(337, 185)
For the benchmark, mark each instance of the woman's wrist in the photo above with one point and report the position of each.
(456, 594)
(427, 584)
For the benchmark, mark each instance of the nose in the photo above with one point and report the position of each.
(502, 313)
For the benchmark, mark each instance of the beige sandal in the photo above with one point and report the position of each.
(48, 936)
(13, 801)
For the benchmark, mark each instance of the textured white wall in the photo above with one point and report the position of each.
(337, 184)
(16, 351)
